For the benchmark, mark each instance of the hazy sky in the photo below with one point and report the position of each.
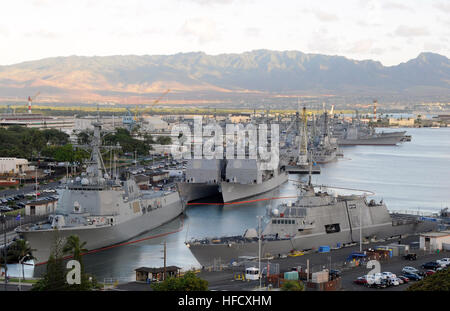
(388, 31)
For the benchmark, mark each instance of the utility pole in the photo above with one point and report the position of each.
(36, 186)
(307, 270)
(3, 220)
(360, 229)
(165, 257)
(259, 249)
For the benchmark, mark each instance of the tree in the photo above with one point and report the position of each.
(20, 251)
(55, 276)
(439, 281)
(292, 285)
(164, 140)
(76, 248)
(189, 282)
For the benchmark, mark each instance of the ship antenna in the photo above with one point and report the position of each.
(310, 170)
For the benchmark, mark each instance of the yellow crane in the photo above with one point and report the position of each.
(159, 98)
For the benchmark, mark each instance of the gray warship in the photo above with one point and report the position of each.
(101, 210)
(316, 218)
(296, 160)
(232, 179)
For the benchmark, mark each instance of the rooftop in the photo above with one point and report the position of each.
(436, 234)
(157, 270)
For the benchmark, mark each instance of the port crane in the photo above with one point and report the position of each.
(131, 121)
(158, 99)
(30, 99)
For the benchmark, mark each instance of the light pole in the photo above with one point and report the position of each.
(259, 249)
(360, 228)
(3, 220)
(23, 272)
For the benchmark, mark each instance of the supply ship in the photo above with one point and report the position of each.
(101, 210)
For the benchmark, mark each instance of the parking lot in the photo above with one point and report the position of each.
(224, 280)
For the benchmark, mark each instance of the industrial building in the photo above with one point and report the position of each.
(433, 241)
(14, 166)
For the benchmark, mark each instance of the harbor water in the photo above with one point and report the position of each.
(412, 176)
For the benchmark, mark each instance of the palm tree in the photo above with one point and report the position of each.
(21, 251)
(74, 246)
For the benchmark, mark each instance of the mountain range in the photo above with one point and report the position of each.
(114, 78)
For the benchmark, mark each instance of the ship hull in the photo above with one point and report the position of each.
(208, 254)
(381, 140)
(196, 191)
(98, 237)
(302, 169)
(234, 191)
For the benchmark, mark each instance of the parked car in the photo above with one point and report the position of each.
(361, 280)
(335, 273)
(429, 272)
(431, 265)
(5, 209)
(443, 261)
(399, 280)
(411, 256)
(389, 274)
(412, 276)
(403, 278)
(408, 269)
(393, 281)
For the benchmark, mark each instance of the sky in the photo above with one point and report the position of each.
(387, 31)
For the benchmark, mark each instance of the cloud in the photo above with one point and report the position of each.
(365, 46)
(321, 42)
(408, 32)
(433, 46)
(324, 16)
(203, 29)
(396, 6)
(444, 7)
(44, 34)
(212, 2)
(252, 31)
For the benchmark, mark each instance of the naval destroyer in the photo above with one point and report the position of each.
(101, 210)
(316, 218)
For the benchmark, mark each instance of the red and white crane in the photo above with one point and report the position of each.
(30, 99)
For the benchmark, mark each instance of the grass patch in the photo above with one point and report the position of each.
(16, 212)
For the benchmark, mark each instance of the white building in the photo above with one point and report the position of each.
(432, 241)
(13, 166)
(154, 123)
(42, 207)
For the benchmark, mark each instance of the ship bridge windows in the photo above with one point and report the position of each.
(283, 221)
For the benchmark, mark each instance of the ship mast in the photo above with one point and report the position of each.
(96, 166)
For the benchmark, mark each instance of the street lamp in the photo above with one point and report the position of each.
(3, 221)
(259, 249)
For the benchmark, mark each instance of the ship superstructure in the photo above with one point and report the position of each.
(100, 209)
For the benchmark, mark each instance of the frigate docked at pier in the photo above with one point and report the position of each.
(316, 218)
(100, 209)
